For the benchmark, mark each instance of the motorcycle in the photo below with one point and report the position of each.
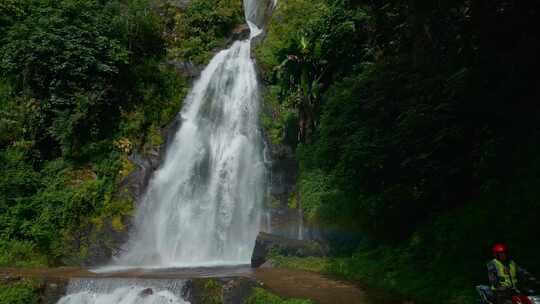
(524, 296)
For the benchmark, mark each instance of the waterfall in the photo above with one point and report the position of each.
(202, 206)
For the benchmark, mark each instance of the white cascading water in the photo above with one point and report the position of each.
(122, 291)
(203, 205)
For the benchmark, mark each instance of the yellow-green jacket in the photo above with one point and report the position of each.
(504, 275)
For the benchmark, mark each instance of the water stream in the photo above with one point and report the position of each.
(203, 205)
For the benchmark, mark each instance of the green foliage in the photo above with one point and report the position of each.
(314, 264)
(82, 85)
(394, 121)
(19, 293)
(308, 45)
(158, 94)
(396, 271)
(41, 52)
(46, 208)
(78, 61)
(289, 21)
(314, 188)
(417, 128)
(212, 294)
(20, 254)
(76, 77)
(262, 296)
(54, 38)
(280, 121)
(444, 258)
(210, 290)
(203, 26)
(10, 11)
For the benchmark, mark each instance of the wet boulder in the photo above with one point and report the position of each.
(146, 292)
(240, 32)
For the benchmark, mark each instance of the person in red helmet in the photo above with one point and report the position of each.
(504, 275)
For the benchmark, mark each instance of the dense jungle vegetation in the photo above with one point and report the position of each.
(416, 125)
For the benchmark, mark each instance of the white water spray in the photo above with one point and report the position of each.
(120, 291)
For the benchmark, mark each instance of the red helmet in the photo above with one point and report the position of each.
(499, 248)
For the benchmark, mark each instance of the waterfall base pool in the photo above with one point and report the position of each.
(124, 291)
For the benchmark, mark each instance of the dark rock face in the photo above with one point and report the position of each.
(102, 243)
(53, 290)
(147, 163)
(284, 172)
(186, 68)
(267, 243)
(283, 176)
(137, 181)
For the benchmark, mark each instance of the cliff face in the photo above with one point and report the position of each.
(283, 214)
